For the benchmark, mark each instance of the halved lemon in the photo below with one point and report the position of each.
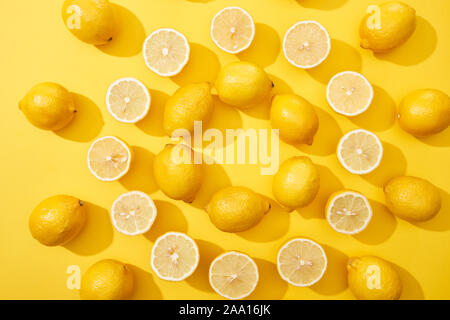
(306, 44)
(133, 213)
(175, 256)
(301, 262)
(349, 93)
(360, 151)
(166, 52)
(348, 212)
(233, 275)
(232, 29)
(128, 100)
(109, 158)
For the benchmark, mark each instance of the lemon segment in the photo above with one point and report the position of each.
(349, 93)
(301, 262)
(107, 280)
(412, 198)
(48, 106)
(128, 100)
(372, 278)
(232, 29)
(133, 213)
(57, 220)
(424, 112)
(348, 212)
(175, 256)
(233, 275)
(360, 151)
(306, 44)
(109, 158)
(166, 52)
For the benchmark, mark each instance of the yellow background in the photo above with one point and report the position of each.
(35, 164)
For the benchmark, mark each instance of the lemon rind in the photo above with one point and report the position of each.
(318, 62)
(251, 37)
(299, 284)
(347, 113)
(187, 274)
(361, 172)
(356, 194)
(181, 66)
(128, 161)
(147, 106)
(151, 221)
(237, 254)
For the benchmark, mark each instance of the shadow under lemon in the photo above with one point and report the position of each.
(145, 287)
(152, 124)
(441, 139)
(329, 184)
(327, 137)
(169, 218)
(140, 175)
(97, 234)
(274, 225)
(266, 40)
(203, 66)
(412, 290)
(270, 285)
(392, 164)
(416, 49)
(381, 114)
(130, 35)
(342, 57)
(87, 122)
(380, 228)
(334, 279)
(322, 5)
(208, 252)
(214, 179)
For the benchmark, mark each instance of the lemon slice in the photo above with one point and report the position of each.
(128, 100)
(233, 275)
(232, 29)
(301, 262)
(166, 52)
(133, 213)
(306, 44)
(175, 256)
(349, 93)
(109, 158)
(348, 212)
(360, 151)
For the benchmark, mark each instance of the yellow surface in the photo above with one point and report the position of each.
(36, 164)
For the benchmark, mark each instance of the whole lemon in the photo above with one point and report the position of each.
(57, 220)
(91, 21)
(176, 174)
(388, 28)
(243, 84)
(48, 106)
(372, 278)
(236, 209)
(107, 280)
(424, 112)
(189, 103)
(296, 183)
(295, 118)
(412, 198)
